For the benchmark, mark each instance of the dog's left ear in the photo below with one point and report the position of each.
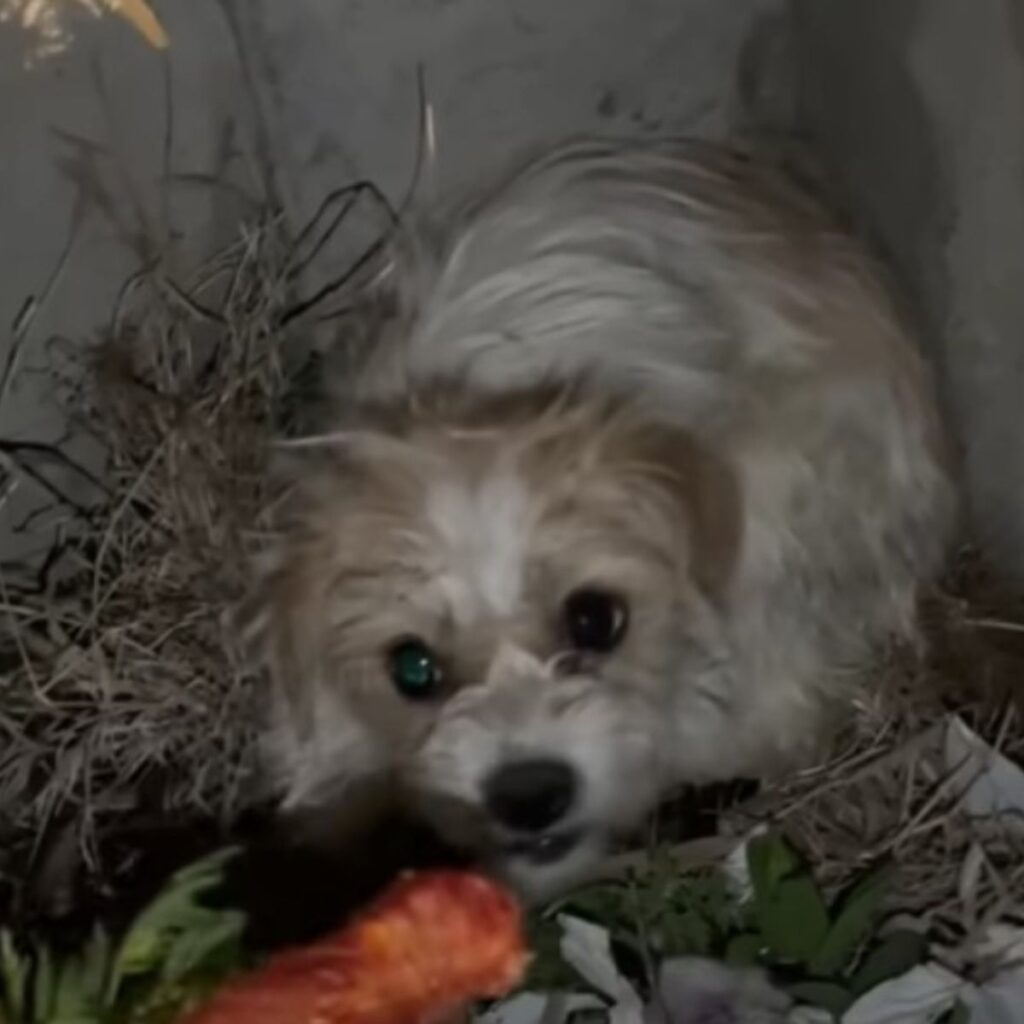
(717, 522)
(708, 489)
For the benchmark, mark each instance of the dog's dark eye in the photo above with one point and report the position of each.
(415, 670)
(595, 620)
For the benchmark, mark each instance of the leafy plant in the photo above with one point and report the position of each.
(168, 958)
(827, 954)
(659, 912)
(832, 952)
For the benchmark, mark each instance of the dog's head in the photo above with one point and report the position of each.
(496, 610)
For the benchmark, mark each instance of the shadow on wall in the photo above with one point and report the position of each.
(917, 107)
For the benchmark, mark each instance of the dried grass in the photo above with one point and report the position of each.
(120, 693)
(121, 678)
(888, 792)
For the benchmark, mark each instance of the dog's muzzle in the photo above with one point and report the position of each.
(528, 800)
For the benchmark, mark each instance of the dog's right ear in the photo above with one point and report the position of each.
(269, 625)
(320, 767)
(277, 625)
(314, 753)
(274, 625)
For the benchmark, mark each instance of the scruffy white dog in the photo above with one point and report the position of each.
(640, 468)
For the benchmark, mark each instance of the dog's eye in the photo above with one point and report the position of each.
(415, 670)
(595, 620)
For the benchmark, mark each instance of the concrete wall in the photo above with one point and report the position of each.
(916, 106)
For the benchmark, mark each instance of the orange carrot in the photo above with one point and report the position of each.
(432, 944)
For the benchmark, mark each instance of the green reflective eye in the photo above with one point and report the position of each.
(415, 670)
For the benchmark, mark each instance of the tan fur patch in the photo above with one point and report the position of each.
(609, 495)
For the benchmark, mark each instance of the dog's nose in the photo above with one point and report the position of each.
(530, 796)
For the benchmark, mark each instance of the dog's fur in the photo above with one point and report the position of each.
(659, 369)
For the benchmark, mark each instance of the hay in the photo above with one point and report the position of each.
(889, 791)
(121, 678)
(121, 693)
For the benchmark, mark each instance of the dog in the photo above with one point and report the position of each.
(639, 472)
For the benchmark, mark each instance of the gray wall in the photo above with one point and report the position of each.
(916, 106)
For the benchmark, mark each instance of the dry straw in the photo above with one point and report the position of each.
(120, 694)
(890, 791)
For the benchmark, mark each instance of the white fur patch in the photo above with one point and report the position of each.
(485, 529)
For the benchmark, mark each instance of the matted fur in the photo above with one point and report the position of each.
(658, 369)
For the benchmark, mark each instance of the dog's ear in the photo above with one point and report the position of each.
(708, 492)
(275, 624)
(280, 624)
(280, 627)
(321, 766)
(716, 514)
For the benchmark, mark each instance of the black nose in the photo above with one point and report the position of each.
(530, 796)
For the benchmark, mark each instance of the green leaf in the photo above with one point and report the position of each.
(744, 950)
(13, 979)
(175, 911)
(200, 948)
(718, 904)
(547, 970)
(895, 955)
(79, 984)
(829, 996)
(687, 934)
(793, 920)
(44, 986)
(857, 915)
(172, 939)
(73, 1001)
(788, 906)
(604, 903)
(165, 1004)
(97, 963)
(770, 859)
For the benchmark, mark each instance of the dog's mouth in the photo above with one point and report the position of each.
(546, 848)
